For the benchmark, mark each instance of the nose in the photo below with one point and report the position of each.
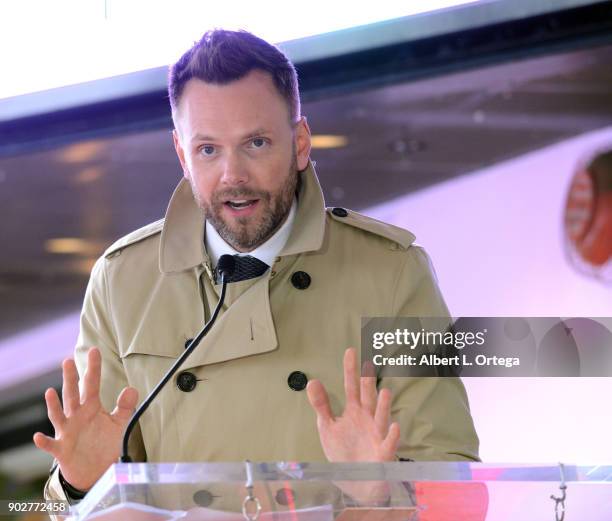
(234, 173)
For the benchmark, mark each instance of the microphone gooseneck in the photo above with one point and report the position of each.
(225, 267)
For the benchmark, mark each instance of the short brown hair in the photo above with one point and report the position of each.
(223, 56)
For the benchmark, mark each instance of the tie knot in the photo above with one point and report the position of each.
(247, 267)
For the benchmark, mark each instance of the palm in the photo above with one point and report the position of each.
(92, 442)
(87, 438)
(363, 432)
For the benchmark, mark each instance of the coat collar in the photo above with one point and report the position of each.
(182, 238)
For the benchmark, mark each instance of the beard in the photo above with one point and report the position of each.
(247, 233)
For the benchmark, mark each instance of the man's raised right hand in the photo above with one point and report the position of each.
(87, 438)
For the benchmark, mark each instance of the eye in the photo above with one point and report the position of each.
(258, 142)
(208, 150)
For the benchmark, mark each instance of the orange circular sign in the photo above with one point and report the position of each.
(588, 217)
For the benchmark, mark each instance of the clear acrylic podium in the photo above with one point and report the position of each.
(403, 491)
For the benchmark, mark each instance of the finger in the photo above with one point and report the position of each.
(368, 390)
(70, 387)
(382, 416)
(91, 378)
(126, 404)
(317, 396)
(391, 442)
(47, 444)
(351, 376)
(54, 409)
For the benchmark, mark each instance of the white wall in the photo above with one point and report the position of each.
(495, 238)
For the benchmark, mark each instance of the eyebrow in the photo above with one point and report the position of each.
(254, 133)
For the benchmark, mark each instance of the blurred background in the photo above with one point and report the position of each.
(483, 127)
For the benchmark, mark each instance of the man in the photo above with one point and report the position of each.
(267, 382)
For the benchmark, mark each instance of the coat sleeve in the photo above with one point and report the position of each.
(96, 330)
(433, 412)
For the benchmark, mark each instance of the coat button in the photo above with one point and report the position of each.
(284, 496)
(187, 342)
(300, 280)
(297, 381)
(186, 382)
(339, 212)
(203, 498)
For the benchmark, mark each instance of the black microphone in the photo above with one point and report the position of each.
(225, 267)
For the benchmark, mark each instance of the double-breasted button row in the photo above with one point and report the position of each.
(284, 496)
(187, 381)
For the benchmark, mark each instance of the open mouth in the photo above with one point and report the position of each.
(241, 204)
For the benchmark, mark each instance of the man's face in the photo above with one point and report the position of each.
(241, 155)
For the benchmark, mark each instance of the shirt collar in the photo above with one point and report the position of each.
(266, 252)
(181, 245)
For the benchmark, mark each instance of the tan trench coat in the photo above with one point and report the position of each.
(153, 290)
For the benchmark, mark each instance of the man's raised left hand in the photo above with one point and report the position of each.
(364, 431)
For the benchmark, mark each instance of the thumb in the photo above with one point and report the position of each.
(126, 403)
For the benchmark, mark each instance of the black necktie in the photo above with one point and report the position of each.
(247, 267)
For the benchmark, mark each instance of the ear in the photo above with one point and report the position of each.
(179, 151)
(302, 142)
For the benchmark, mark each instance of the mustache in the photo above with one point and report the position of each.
(239, 193)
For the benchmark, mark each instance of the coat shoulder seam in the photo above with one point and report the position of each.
(134, 237)
(403, 238)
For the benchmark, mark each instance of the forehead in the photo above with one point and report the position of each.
(232, 109)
